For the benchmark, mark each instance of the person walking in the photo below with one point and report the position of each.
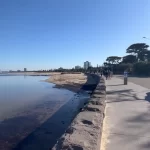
(109, 74)
(106, 74)
(101, 73)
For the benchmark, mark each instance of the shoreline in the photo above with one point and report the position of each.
(43, 123)
(43, 114)
(85, 131)
(72, 82)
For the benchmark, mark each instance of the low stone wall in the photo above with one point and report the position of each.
(85, 131)
(92, 81)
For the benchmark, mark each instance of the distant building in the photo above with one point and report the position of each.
(18, 70)
(77, 67)
(87, 64)
(25, 69)
(4, 72)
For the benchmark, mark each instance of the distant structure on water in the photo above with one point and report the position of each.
(25, 69)
(87, 64)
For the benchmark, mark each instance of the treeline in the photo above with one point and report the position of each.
(62, 70)
(136, 62)
(73, 70)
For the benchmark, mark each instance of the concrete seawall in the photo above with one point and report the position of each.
(85, 131)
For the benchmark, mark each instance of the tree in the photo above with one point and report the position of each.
(148, 56)
(119, 69)
(142, 68)
(129, 59)
(113, 59)
(105, 64)
(139, 50)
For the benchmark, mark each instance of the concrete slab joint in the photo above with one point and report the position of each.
(84, 133)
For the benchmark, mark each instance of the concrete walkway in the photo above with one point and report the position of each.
(127, 118)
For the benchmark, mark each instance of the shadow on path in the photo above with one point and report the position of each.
(124, 95)
(137, 124)
(119, 92)
(116, 85)
(140, 124)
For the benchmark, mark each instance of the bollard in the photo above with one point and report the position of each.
(125, 80)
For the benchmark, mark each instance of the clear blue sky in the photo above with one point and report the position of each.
(44, 34)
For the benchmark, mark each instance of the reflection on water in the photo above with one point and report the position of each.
(25, 76)
(35, 114)
(18, 92)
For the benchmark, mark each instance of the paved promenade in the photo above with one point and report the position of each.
(127, 118)
(145, 82)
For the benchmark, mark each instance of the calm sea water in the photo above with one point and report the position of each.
(33, 114)
(19, 92)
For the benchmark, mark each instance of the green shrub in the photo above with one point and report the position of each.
(120, 68)
(142, 68)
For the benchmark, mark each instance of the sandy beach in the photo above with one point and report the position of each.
(72, 82)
